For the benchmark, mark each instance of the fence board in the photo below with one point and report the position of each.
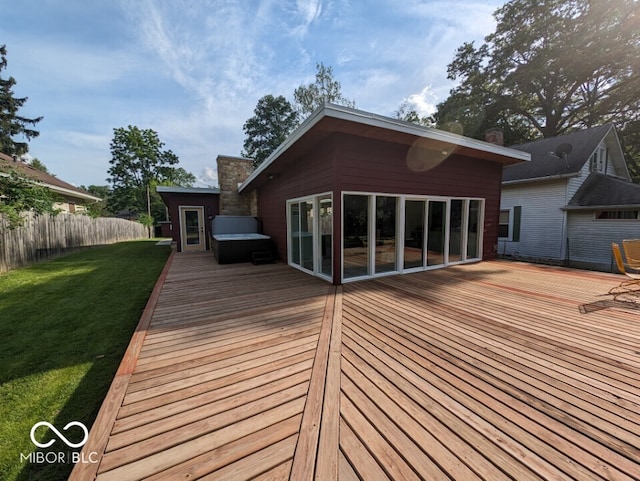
(45, 236)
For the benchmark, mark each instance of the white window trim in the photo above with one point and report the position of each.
(510, 225)
(315, 198)
(400, 216)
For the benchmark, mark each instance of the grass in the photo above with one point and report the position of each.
(64, 326)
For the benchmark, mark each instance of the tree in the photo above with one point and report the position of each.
(550, 67)
(137, 162)
(12, 124)
(100, 208)
(18, 195)
(325, 89)
(273, 120)
(407, 113)
(37, 164)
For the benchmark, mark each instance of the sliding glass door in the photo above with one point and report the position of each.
(386, 256)
(355, 236)
(383, 234)
(414, 246)
(310, 234)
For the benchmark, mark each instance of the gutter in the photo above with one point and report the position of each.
(541, 179)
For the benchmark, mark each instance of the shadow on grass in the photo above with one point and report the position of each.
(65, 325)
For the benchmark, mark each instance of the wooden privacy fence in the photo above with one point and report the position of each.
(45, 236)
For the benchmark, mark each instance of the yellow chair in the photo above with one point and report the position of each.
(631, 249)
(627, 285)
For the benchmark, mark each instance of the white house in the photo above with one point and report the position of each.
(570, 201)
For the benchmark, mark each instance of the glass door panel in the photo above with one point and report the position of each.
(437, 221)
(306, 234)
(355, 236)
(473, 239)
(192, 227)
(385, 248)
(455, 230)
(294, 241)
(326, 235)
(414, 252)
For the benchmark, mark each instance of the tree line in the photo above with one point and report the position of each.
(138, 164)
(550, 67)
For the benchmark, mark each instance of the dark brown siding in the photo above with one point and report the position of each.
(367, 165)
(350, 163)
(210, 202)
(311, 173)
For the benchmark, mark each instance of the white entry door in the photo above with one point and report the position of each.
(192, 228)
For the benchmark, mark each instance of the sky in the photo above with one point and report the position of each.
(194, 70)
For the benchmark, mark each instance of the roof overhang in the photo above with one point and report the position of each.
(172, 189)
(602, 207)
(338, 119)
(62, 190)
(548, 178)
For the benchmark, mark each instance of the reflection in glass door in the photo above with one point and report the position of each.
(306, 234)
(436, 234)
(192, 228)
(473, 239)
(355, 239)
(326, 235)
(456, 230)
(385, 246)
(310, 234)
(414, 252)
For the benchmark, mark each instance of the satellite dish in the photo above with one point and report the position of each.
(563, 150)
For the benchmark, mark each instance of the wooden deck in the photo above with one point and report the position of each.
(484, 371)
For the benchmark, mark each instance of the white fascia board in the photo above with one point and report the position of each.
(62, 190)
(69, 192)
(312, 120)
(389, 123)
(548, 178)
(367, 118)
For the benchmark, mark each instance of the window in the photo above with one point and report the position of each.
(503, 229)
(617, 214)
(599, 160)
(385, 234)
(310, 234)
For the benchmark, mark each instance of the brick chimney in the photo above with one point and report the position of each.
(494, 135)
(232, 171)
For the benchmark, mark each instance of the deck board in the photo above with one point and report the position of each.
(486, 371)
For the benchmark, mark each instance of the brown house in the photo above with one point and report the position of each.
(352, 195)
(70, 198)
(190, 212)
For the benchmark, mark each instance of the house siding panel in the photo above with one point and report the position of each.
(310, 174)
(590, 239)
(210, 202)
(367, 165)
(542, 220)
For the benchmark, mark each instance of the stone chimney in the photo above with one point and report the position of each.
(232, 171)
(494, 135)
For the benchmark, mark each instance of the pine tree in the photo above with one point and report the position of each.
(12, 124)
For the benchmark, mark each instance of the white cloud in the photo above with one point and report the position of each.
(424, 102)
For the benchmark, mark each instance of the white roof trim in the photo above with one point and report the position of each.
(60, 190)
(367, 118)
(186, 190)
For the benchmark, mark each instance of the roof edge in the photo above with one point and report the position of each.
(375, 120)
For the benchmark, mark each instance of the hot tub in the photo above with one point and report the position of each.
(235, 238)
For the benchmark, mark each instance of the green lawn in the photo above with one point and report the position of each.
(64, 326)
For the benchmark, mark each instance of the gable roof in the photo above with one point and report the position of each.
(331, 118)
(600, 190)
(544, 163)
(7, 165)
